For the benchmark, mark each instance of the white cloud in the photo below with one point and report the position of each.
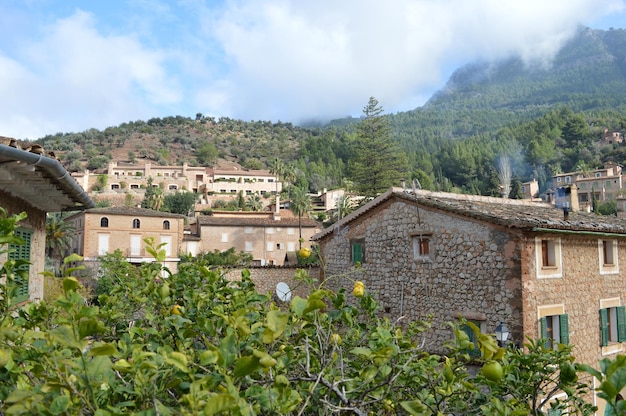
(326, 58)
(274, 60)
(74, 76)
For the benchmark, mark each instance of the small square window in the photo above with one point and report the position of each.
(358, 250)
(421, 247)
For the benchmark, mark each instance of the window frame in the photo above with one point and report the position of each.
(357, 250)
(612, 320)
(554, 330)
(166, 225)
(104, 222)
(422, 246)
(548, 255)
(608, 257)
(136, 223)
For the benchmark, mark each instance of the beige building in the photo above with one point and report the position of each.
(35, 184)
(272, 238)
(126, 177)
(604, 184)
(100, 231)
(489, 260)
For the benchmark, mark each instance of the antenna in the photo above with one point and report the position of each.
(283, 291)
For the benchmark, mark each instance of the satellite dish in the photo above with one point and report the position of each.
(283, 292)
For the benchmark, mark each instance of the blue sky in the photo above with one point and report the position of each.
(71, 65)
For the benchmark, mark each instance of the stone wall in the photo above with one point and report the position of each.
(266, 278)
(466, 274)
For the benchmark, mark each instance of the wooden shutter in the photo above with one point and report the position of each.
(357, 252)
(564, 328)
(21, 252)
(543, 326)
(604, 327)
(621, 323)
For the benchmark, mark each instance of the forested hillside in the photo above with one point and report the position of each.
(543, 118)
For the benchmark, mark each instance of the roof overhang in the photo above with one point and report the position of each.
(40, 181)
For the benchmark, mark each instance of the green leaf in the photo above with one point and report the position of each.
(362, 352)
(297, 306)
(312, 305)
(87, 327)
(70, 283)
(220, 403)
(102, 349)
(414, 407)
(59, 405)
(246, 365)
(178, 360)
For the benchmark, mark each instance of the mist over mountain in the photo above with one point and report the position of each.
(588, 74)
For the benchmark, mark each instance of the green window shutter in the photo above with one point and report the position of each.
(621, 323)
(475, 352)
(604, 327)
(564, 327)
(21, 252)
(357, 252)
(543, 326)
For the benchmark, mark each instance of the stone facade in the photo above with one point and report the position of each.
(266, 278)
(489, 260)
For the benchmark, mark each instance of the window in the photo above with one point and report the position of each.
(358, 250)
(135, 245)
(421, 247)
(173, 187)
(555, 330)
(166, 240)
(224, 237)
(269, 230)
(248, 230)
(166, 225)
(103, 244)
(568, 179)
(115, 186)
(549, 263)
(607, 252)
(104, 222)
(598, 174)
(270, 246)
(248, 246)
(290, 231)
(470, 331)
(612, 325)
(558, 179)
(136, 223)
(134, 186)
(21, 252)
(291, 246)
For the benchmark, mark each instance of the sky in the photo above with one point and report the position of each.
(71, 65)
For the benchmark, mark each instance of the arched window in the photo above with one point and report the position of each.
(166, 225)
(136, 223)
(104, 222)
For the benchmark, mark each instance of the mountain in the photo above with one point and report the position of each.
(545, 117)
(588, 74)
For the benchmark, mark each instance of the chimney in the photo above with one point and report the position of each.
(574, 205)
(277, 208)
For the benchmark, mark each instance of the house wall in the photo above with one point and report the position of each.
(473, 270)
(36, 222)
(266, 278)
(579, 292)
(257, 241)
(120, 231)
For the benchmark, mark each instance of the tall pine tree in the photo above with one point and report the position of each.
(377, 161)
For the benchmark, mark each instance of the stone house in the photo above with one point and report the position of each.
(104, 230)
(271, 237)
(36, 184)
(605, 184)
(544, 272)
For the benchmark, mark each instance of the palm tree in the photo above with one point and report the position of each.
(300, 204)
(277, 168)
(254, 203)
(58, 236)
(290, 174)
